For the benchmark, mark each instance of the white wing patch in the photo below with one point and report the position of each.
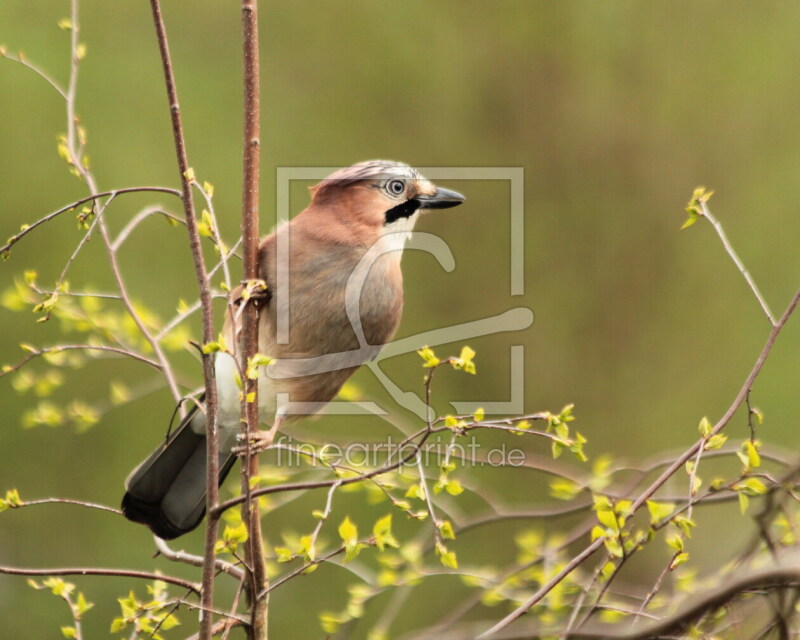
(230, 406)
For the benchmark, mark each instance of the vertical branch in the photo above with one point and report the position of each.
(212, 457)
(72, 86)
(257, 592)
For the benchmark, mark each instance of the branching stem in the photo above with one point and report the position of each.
(659, 482)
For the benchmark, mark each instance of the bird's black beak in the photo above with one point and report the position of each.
(442, 199)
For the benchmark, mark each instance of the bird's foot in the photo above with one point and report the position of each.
(257, 442)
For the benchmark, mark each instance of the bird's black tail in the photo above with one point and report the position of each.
(167, 491)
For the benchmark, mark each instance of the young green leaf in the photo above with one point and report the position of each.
(427, 354)
(383, 533)
(659, 510)
(464, 361)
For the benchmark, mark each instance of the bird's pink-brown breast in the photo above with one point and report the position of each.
(321, 285)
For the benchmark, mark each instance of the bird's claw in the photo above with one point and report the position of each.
(254, 443)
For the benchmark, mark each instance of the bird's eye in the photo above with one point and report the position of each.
(395, 187)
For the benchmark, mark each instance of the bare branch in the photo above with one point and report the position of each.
(302, 569)
(132, 312)
(78, 347)
(195, 561)
(140, 217)
(93, 571)
(659, 482)
(771, 578)
(737, 261)
(257, 593)
(201, 274)
(21, 59)
(80, 503)
(219, 627)
(72, 206)
(302, 486)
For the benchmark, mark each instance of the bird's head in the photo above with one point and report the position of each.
(369, 200)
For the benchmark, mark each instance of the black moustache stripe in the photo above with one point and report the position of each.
(403, 210)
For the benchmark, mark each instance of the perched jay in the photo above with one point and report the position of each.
(334, 283)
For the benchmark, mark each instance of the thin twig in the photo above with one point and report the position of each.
(201, 274)
(423, 483)
(72, 206)
(131, 309)
(35, 353)
(219, 627)
(93, 571)
(74, 149)
(140, 217)
(739, 264)
(196, 561)
(381, 628)
(234, 607)
(324, 517)
(770, 578)
(659, 482)
(79, 503)
(305, 567)
(21, 59)
(302, 486)
(75, 294)
(224, 252)
(82, 243)
(72, 85)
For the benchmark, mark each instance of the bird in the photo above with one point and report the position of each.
(335, 289)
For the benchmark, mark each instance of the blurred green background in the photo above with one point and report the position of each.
(615, 111)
